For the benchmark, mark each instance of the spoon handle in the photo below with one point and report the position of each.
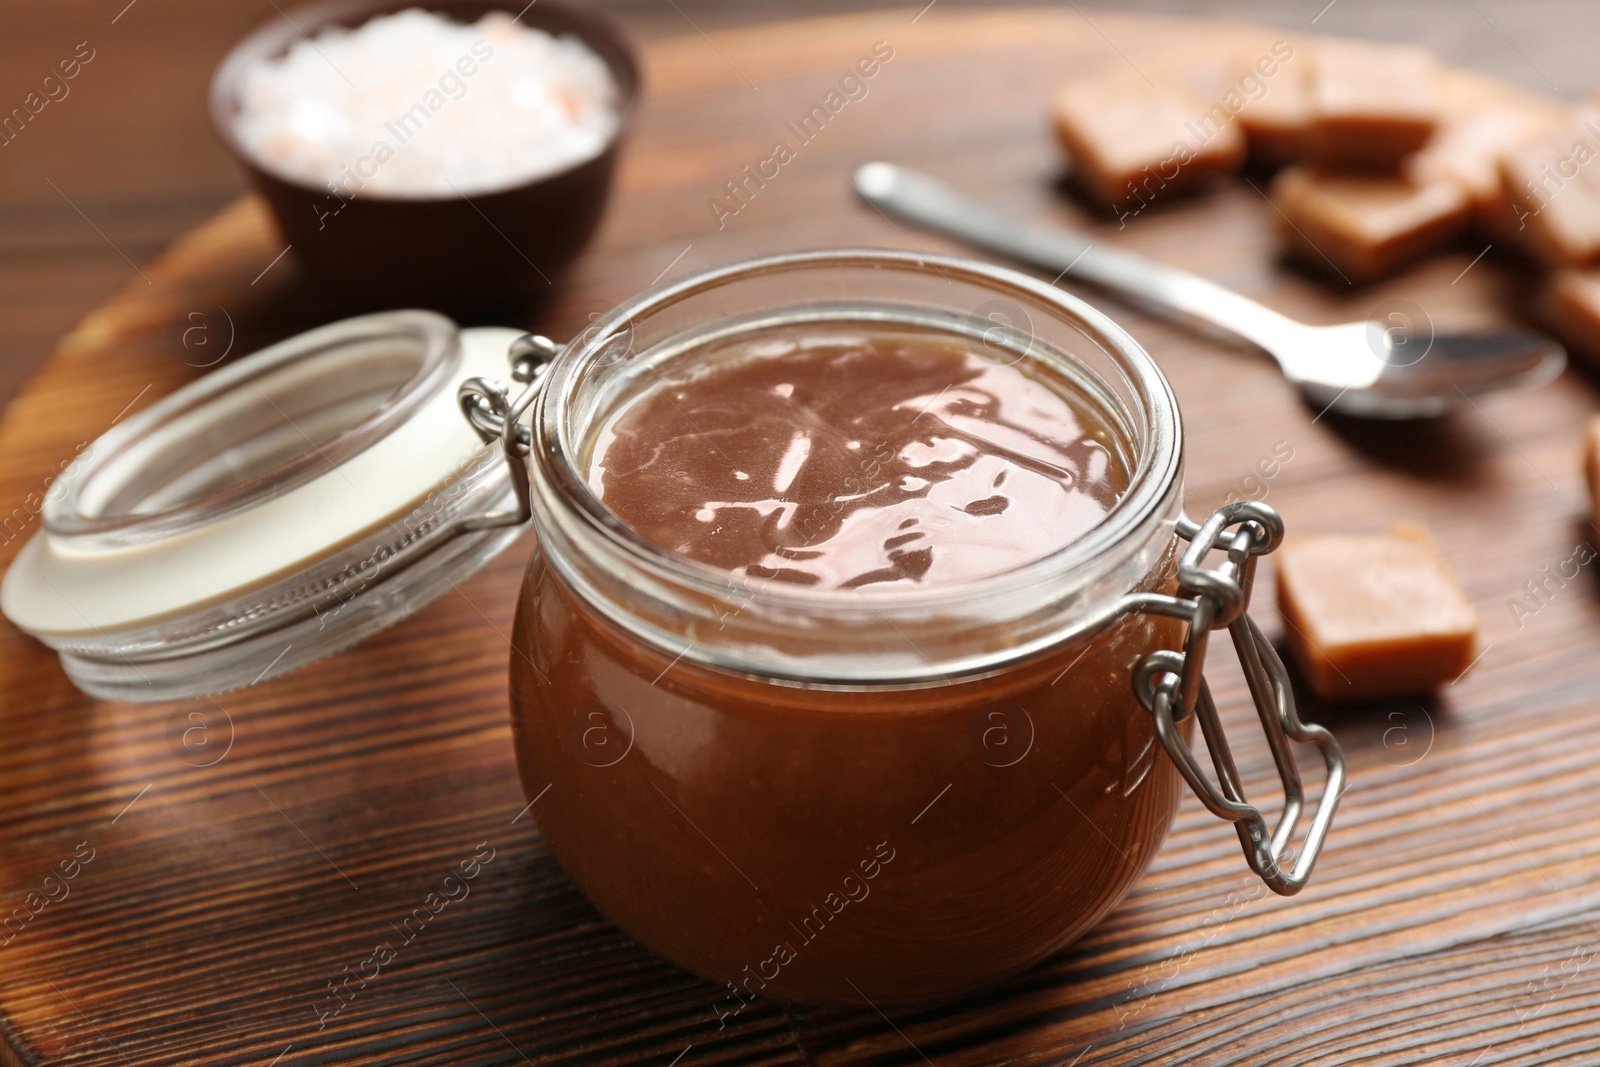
(918, 198)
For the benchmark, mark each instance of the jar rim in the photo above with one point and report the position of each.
(1152, 481)
(191, 414)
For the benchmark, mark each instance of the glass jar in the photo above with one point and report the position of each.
(848, 795)
(868, 795)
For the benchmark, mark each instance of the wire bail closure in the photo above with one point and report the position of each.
(488, 407)
(1171, 686)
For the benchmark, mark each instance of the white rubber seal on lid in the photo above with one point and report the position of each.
(301, 498)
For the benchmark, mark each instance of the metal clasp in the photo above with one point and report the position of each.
(1171, 685)
(488, 406)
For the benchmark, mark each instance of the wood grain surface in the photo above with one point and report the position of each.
(235, 873)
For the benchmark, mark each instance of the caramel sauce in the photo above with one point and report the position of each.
(827, 455)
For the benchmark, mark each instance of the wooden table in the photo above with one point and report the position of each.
(236, 872)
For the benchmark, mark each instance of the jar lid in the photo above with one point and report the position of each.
(270, 513)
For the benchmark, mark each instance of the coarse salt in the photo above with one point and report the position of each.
(416, 105)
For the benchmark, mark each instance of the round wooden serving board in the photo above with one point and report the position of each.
(238, 871)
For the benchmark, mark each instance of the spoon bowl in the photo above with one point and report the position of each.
(1367, 371)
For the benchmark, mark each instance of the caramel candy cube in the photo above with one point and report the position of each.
(1132, 142)
(1572, 310)
(1483, 123)
(1272, 85)
(1553, 191)
(1365, 225)
(1374, 615)
(1372, 104)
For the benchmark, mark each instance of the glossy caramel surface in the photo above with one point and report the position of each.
(841, 456)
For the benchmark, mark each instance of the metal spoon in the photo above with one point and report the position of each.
(1374, 369)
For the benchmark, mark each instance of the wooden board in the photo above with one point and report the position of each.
(236, 872)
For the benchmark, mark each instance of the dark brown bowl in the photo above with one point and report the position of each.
(463, 255)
